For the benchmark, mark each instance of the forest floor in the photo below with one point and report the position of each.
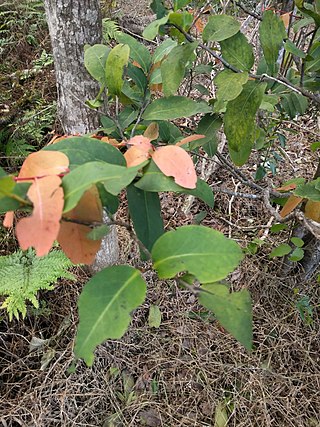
(189, 371)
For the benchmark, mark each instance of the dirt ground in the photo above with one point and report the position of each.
(189, 371)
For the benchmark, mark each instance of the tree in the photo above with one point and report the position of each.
(73, 25)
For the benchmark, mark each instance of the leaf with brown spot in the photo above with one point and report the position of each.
(135, 156)
(152, 131)
(175, 161)
(73, 238)
(290, 205)
(189, 139)
(41, 229)
(312, 210)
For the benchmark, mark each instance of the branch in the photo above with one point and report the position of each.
(247, 11)
(281, 80)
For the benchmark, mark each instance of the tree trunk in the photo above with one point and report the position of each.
(72, 25)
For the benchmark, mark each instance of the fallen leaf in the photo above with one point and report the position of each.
(156, 87)
(189, 139)
(135, 156)
(290, 205)
(175, 161)
(152, 131)
(73, 238)
(41, 229)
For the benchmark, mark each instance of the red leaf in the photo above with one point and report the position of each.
(142, 142)
(175, 161)
(73, 237)
(41, 229)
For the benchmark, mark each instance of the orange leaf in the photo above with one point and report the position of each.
(136, 155)
(41, 229)
(189, 139)
(287, 187)
(112, 141)
(285, 19)
(142, 142)
(312, 210)
(44, 163)
(152, 131)
(290, 205)
(175, 161)
(8, 219)
(136, 64)
(73, 237)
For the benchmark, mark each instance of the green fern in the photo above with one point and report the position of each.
(110, 29)
(22, 275)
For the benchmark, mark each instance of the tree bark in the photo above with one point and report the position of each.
(72, 25)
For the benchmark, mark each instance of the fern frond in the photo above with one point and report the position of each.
(22, 275)
(110, 29)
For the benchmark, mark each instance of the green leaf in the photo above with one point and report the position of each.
(138, 76)
(154, 180)
(183, 20)
(108, 125)
(173, 67)
(168, 132)
(174, 107)
(179, 4)
(297, 242)
(296, 255)
(145, 212)
(272, 34)
(313, 64)
(158, 8)
(154, 318)
(233, 310)
(163, 50)
(237, 51)
(9, 203)
(239, 121)
(127, 116)
(208, 126)
(230, 84)
(220, 27)
(105, 305)
(294, 103)
(292, 48)
(201, 251)
(309, 190)
(95, 58)
(98, 232)
(151, 31)
(109, 202)
(7, 185)
(281, 250)
(117, 59)
(113, 177)
(276, 228)
(138, 52)
(82, 149)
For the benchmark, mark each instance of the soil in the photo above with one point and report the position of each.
(189, 371)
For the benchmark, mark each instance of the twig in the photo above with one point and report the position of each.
(236, 194)
(248, 12)
(262, 77)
